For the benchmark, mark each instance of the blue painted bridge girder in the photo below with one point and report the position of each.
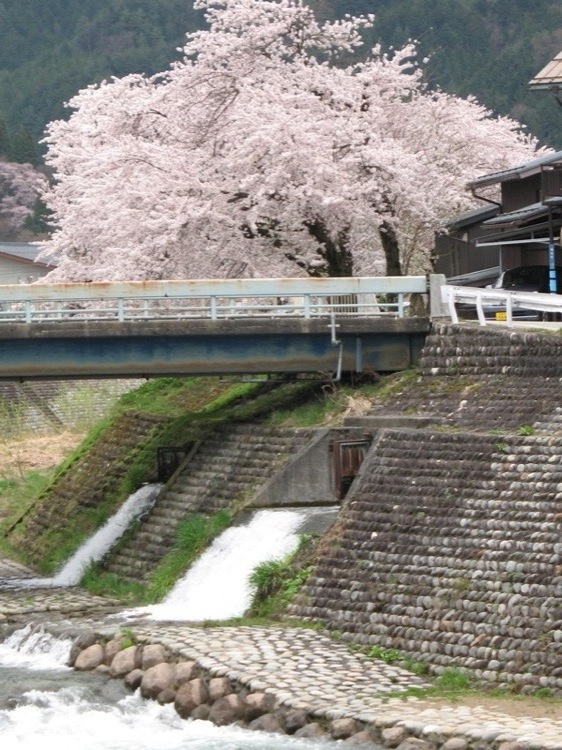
(155, 348)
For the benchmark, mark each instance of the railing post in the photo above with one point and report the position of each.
(438, 307)
(509, 311)
(213, 308)
(28, 311)
(480, 311)
(120, 310)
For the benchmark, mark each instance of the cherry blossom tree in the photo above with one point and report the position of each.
(268, 149)
(20, 186)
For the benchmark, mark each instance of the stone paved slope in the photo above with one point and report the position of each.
(449, 546)
(307, 672)
(85, 485)
(228, 465)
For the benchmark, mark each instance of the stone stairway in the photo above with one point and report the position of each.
(227, 466)
(450, 548)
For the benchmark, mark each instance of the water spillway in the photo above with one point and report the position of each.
(98, 544)
(217, 586)
(103, 540)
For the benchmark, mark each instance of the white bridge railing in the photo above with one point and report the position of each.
(211, 299)
(492, 301)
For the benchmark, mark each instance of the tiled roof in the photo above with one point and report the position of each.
(475, 216)
(519, 172)
(550, 76)
(23, 251)
(521, 215)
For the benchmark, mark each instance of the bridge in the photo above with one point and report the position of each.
(209, 327)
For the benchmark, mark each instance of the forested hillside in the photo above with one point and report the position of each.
(489, 48)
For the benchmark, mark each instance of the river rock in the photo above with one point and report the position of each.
(218, 688)
(112, 648)
(201, 712)
(153, 654)
(455, 743)
(294, 720)
(125, 661)
(341, 729)
(267, 723)
(90, 658)
(413, 743)
(134, 679)
(185, 671)
(227, 710)
(257, 704)
(84, 641)
(362, 738)
(158, 678)
(393, 736)
(189, 696)
(310, 731)
(168, 695)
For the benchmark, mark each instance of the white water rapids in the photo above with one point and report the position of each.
(43, 703)
(69, 710)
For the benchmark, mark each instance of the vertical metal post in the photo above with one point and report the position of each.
(552, 285)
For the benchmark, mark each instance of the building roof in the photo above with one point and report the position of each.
(550, 77)
(474, 216)
(520, 216)
(528, 169)
(23, 252)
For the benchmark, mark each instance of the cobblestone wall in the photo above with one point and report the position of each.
(230, 464)
(450, 551)
(449, 547)
(475, 350)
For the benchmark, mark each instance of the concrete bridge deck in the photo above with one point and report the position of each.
(173, 328)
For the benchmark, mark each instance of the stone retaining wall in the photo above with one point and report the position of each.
(41, 405)
(465, 349)
(229, 465)
(449, 546)
(450, 551)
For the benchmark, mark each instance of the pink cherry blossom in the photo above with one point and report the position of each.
(274, 147)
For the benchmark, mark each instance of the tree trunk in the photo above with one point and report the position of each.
(391, 249)
(339, 261)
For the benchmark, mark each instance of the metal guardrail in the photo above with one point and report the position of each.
(510, 300)
(210, 299)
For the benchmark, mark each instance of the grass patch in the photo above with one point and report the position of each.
(17, 494)
(193, 536)
(277, 582)
(100, 582)
(452, 685)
